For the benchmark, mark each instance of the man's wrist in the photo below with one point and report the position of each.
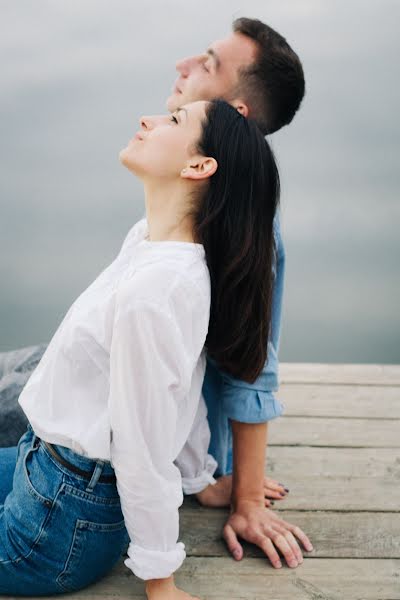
(246, 501)
(247, 491)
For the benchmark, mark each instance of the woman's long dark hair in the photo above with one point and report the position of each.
(233, 219)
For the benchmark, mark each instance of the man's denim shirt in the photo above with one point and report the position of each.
(229, 398)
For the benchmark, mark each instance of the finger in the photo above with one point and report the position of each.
(265, 543)
(273, 494)
(232, 542)
(281, 542)
(294, 545)
(273, 484)
(299, 533)
(273, 491)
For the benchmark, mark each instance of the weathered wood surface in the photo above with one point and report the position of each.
(335, 400)
(350, 374)
(221, 578)
(337, 448)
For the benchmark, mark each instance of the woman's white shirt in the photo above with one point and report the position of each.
(121, 380)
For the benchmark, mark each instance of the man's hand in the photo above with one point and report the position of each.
(219, 494)
(261, 526)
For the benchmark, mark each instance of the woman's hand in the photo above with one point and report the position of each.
(219, 494)
(165, 589)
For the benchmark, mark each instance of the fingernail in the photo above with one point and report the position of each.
(236, 553)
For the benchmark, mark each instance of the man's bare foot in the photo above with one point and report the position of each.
(219, 494)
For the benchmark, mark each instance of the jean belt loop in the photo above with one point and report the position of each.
(95, 475)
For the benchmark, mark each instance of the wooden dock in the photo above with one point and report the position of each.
(337, 448)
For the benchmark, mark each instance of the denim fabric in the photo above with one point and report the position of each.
(59, 531)
(229, 398)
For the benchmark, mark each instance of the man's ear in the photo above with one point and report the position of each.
(241, 107)
(202, 168)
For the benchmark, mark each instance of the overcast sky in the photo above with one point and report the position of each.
(76, 77)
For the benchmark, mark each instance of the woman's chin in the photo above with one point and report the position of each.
(124, 157)
(126, 160)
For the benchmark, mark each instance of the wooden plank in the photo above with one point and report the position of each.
(299, 461)
(325, 431)
(326, 400)
(339, 493)
(255, 579)
(336, 478)
(334, 534)
(365, 374)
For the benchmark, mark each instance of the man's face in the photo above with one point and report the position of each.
(213, 73)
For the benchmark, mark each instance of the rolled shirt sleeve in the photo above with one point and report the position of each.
(249, 405)
(196, 465)
(148, 362)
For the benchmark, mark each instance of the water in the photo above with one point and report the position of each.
(77, 76)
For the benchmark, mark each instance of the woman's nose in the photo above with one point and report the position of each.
(145, 123)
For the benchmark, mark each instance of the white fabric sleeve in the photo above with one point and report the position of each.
(196, 465)
(147, 363)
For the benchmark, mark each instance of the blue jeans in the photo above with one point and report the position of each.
(229, 398)
(59, 531)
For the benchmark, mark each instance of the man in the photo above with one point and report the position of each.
(256, 71)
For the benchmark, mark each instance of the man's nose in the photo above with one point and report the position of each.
(185, 65)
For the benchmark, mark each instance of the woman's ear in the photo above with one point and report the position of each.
(204, 167)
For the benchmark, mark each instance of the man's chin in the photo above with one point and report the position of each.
(174, 101)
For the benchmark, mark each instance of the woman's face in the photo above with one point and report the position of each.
(163, 146)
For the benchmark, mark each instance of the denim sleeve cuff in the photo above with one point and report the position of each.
(154, 564)
(249, 405)
(193, 485)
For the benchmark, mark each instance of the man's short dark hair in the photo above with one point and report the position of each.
(273, 85)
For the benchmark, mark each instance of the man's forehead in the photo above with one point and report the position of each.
(235, 49)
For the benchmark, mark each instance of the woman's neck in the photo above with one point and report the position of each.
(165, 212)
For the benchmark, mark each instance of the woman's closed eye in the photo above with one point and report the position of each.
(174, 119)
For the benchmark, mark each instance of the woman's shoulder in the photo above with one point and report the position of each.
(165, 284)
(136, 232)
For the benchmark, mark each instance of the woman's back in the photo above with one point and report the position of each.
(66, 397)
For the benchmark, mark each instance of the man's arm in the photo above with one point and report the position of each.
(249, 419)
(249, 444)
(248, 412)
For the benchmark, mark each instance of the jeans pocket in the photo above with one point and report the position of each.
(28, 506)
(94, 550)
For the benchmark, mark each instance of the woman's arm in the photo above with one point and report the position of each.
(147, 364)
(196, 465)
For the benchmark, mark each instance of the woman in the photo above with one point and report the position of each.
(117, 424)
